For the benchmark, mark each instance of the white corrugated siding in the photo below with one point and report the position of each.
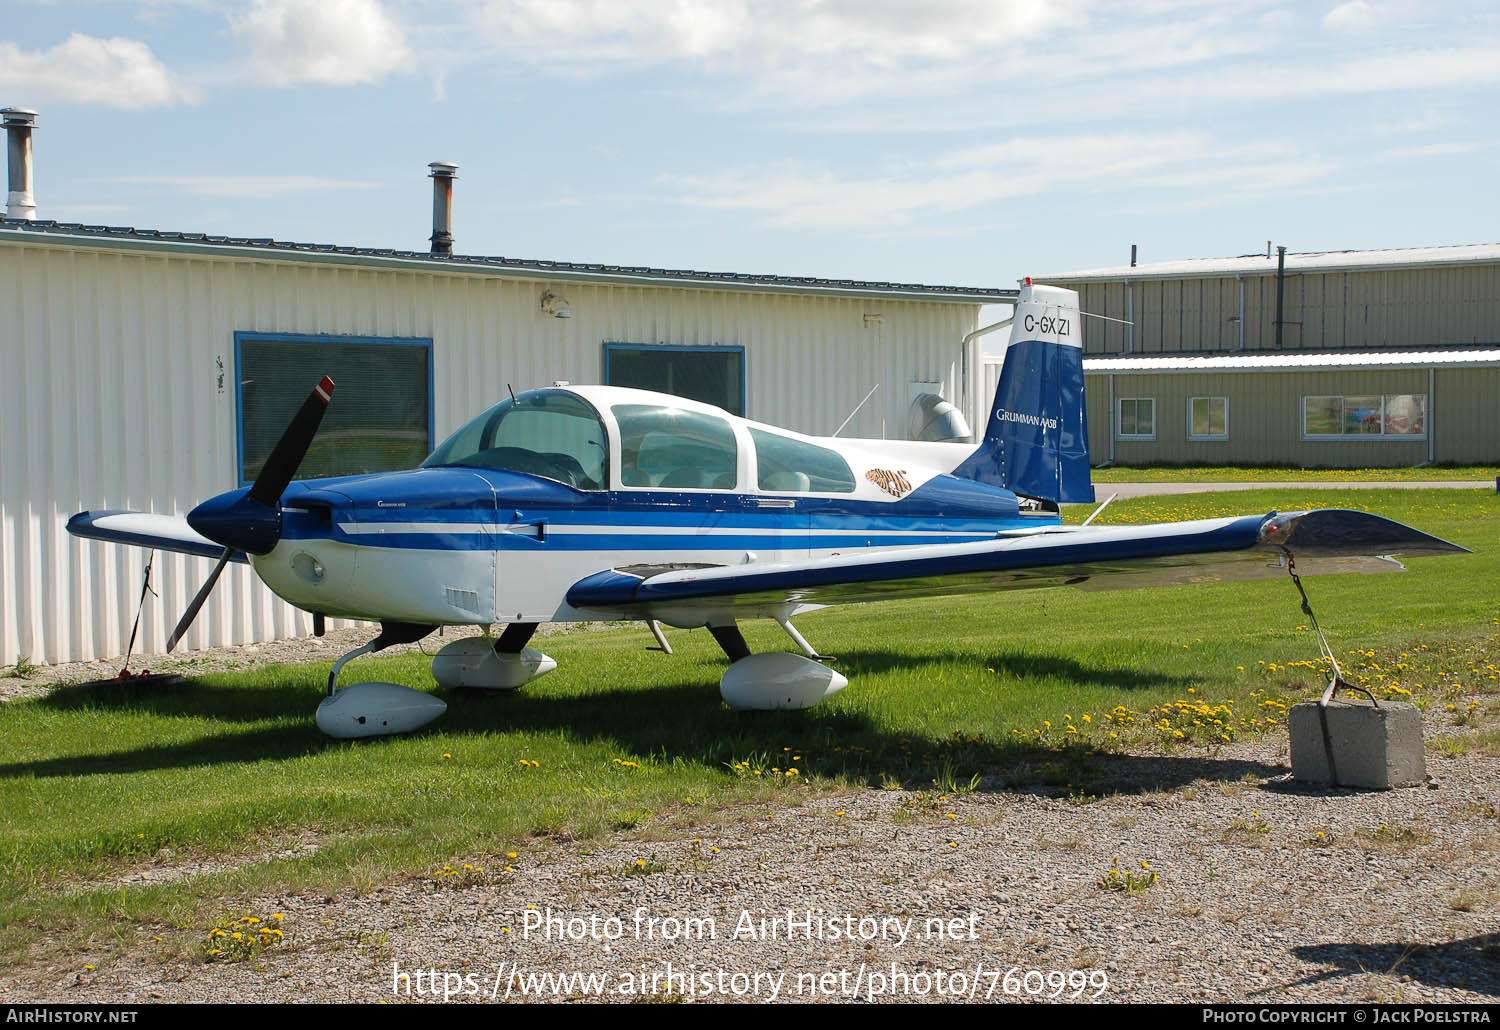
(110, 399)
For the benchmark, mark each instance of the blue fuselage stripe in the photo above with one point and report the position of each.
(480, 540)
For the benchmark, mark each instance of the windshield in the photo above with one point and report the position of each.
(548, 433)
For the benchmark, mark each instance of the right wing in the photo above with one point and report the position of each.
(1093, 558)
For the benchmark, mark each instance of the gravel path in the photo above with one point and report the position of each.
(1267, 892)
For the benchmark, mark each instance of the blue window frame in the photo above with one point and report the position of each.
(381, 418)
(714, 375)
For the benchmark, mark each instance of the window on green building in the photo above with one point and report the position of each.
(1208, 418)
(1359, 416)
(1135, 418)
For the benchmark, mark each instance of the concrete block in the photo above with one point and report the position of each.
(1374, 748)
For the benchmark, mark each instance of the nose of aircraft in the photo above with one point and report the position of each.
(249, 519)
(236, 519)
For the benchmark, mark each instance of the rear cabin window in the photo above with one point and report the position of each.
(672, 449)
(793, 466)
(548, 433)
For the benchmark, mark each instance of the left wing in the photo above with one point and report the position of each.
(1095, 558)
(146, 529)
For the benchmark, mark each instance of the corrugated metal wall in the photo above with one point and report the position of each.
(1466, 428)
(111, 398)
(1265, 418)
(1390, 308)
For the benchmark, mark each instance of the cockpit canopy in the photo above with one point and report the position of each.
(558, 434)
(550, 433)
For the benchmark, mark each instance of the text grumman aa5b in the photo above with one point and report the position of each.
(598, 503)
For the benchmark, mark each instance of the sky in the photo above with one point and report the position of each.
(956, 142)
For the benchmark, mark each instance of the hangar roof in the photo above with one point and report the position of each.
(1282, 361)
(208, 244)
(1261, 264)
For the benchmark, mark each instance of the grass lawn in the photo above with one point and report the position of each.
(229, 771)
(1243, 474)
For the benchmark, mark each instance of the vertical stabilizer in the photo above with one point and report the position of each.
(1036, 442)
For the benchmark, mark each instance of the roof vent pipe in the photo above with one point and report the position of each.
(443, 173)
(19, 122)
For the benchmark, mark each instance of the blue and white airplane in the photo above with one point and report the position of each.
(580, 503)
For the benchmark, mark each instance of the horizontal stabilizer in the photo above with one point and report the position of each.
(146, 529)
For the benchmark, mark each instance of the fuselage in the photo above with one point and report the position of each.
(556, 485)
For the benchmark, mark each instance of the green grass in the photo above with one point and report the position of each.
(229, 768)
(1277, 474)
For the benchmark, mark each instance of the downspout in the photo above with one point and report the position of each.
(1280, 284)
(1111, 427)
(977, 417)
(1241, 278)
(1431, 406)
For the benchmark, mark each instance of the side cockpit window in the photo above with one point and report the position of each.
(672, 449)
(787, 465)
(548, 433)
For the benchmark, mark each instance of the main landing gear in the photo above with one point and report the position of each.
(489, 663)
(376, 709)
(775, 679)
(482, 663)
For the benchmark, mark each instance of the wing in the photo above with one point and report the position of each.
(146, 529)
(1097, 558)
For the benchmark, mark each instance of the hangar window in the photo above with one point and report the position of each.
(1208, 418)
(1136, 418)
(1361, 416)
(381, 416)
(713, 375)
(793, 466)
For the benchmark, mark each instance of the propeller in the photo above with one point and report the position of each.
(250, 520)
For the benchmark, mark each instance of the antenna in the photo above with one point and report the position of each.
(861, 404)
(511, 392)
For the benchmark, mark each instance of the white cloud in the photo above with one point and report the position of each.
(801, 195)
(748, 34)
(1354, 16)
(1438, 150)
(241, 186)
(113, 72)
(338, 42)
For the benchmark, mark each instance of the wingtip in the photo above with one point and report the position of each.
(1341, 532)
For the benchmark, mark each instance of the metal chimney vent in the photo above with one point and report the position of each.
(443, 173)
(19, 203)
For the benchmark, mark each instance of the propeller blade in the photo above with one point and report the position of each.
(289, 451)
(198, 599)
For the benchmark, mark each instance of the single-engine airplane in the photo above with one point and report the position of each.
(579, 503)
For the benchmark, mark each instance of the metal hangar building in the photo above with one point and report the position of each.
(1345, 359)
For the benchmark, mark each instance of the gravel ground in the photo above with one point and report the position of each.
(1267, 892)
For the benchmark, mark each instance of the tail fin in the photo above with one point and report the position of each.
(1036, 442)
